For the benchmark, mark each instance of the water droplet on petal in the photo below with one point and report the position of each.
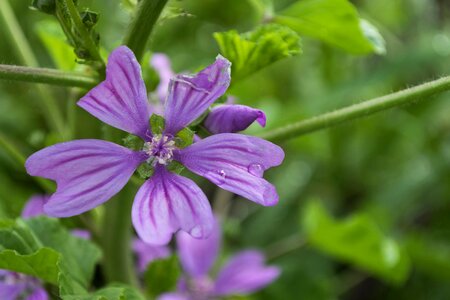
(196, 232)
(217, 176)
(256, 169)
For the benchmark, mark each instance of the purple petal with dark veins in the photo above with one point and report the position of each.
(233, 118)
(166, 203)
(235, 162)
(161, 63)
(244, 273)
(87, 172)
(35, 206)
(147, 253)
(198, 256)
(120, 100)
(190, 96)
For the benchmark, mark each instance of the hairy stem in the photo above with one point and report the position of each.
(45, 75)
(24, 53)
(363, 109)
(142, 25)
(82, 31)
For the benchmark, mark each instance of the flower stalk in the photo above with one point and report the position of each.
(142, 25)
(47, 76)
(356, 111)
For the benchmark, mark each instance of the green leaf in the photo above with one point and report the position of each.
(249, 52)
(55, 42)
(133, 142)
(162, 276)
(43, 248)
(112, 292)
(335, 22)
(145, 170)
(157, 124)
(356, 240)
(184, 138)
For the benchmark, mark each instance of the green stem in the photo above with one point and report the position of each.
(82, 31)
(23, 50)
(12, 150)
(117, 256)
(363, 109)
(45, 75)
(142, 25)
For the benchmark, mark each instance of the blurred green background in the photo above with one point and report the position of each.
(385, 179)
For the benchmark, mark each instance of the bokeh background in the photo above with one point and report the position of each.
(390, 171)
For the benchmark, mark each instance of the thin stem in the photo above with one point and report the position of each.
(23, 50)
(141, 27)
(82, 31)
(45, 75)
(116, 235)
(363, 109)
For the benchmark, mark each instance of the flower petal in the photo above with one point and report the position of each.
(197, 256)
(147, 253)
(81, 233)
(120, 100)
(174, 296)
(87, 172)
(167, 202)
(161, 63)
(233, 118)
(39, 293)
(244, 273)
(34, 207)
(235, 162)
(190, 96)
(11, 291)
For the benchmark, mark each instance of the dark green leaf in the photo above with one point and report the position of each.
(145, 170)
(45, 6)
(335, 22)
(162, 276)
(112, 292)
(252, 51)
(89, 18)
(356, 240)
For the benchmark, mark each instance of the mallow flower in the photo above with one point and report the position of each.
(244, 273)
(16, 286)
(223, 118)
(146, 253)
(89, 172)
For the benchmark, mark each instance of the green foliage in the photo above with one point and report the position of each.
(356, 240)
(133, 142)
(145, 170)
(56, 45)
(184, 138)
(45, 6)
(335, 22)
(157, 124)
(41, 247)
(112, 292)
(162, 276)
(251, 51)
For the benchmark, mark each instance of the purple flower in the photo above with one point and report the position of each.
(243, 274)
(223, 118)
(147, 253)
(15, 286)
(90, 172)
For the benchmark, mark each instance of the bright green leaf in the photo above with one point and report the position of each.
(55, 42)
(335, 22)
(184, 138)
(41, 247)
(356, 240)
(251, 51)
(112, 292)
(162, 276)
(157, 124)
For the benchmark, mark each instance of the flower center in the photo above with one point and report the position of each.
(160, 149)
